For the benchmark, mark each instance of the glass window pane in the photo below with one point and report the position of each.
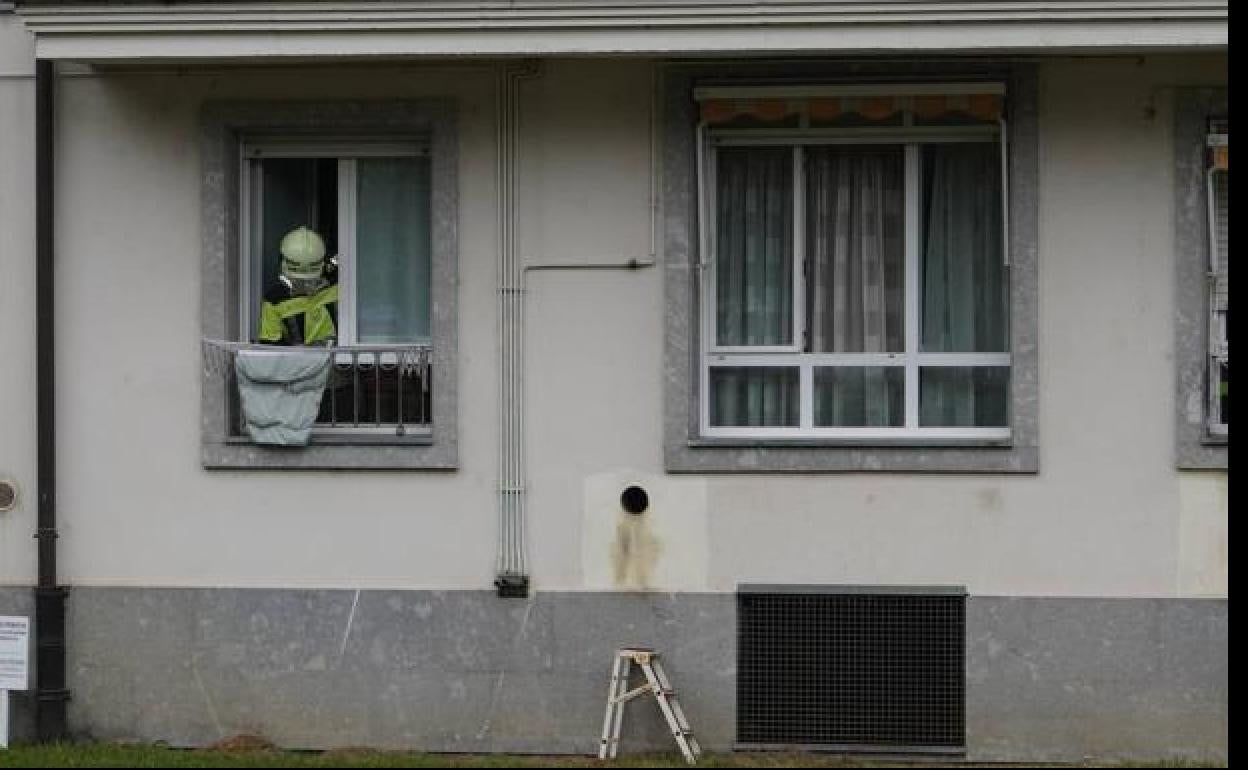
(754, 396)
(1220, 298)
(1222, 394)
(964, 293)
(855, 246)
(1223, 397)
(392, 250)
(964, 396)
(1221, 236)
(754, 247)
(858, 397)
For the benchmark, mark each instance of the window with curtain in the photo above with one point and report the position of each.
(1219, 192)
(856, 276)
(371, 208)
(370, 202)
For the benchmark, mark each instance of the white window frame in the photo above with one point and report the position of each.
(346, 151)
(1219, 347)
(912, 359)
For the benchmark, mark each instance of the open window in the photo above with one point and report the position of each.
(855, 263)
(370, 202)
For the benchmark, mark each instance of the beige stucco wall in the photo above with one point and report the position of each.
(17, 285)
(1108, 514)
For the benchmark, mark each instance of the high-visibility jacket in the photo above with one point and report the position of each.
(287, 318)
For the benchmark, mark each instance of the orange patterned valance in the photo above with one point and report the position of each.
(1220, 157)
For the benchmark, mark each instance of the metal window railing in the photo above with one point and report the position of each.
(372, 391)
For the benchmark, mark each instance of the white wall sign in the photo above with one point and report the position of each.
(14, 652)
(14, 665)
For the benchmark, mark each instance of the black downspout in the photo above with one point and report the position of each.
(51, 693)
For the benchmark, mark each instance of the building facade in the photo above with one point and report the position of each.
(842, 301)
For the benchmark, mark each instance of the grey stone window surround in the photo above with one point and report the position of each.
(223, 127)
(1195, 447)
(685, 451)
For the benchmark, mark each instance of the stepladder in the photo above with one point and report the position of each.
(656, 684)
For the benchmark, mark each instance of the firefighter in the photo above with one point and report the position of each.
(301, 307)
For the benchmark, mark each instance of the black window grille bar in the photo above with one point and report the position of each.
(371, 390)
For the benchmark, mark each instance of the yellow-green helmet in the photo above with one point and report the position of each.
(303, 255)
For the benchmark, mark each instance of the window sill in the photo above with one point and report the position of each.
(1210, 452)
(349, 439)
(1216, 439)
(852, 443)
(357, 453)
(702, 455)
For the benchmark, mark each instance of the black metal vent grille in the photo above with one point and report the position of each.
(855, 668)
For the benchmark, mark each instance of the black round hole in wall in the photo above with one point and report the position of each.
(634, 499)
(8, 495)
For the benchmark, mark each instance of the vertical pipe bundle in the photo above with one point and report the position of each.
(511, 567)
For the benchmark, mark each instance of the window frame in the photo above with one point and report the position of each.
(1218, 337)
(226, 129)
(686, 448)
(911, 359)
(1197, 446)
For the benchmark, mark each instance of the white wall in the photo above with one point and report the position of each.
(1107, 515)
(17, 289)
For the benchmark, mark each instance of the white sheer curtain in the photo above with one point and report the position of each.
(964, 284)
(855, 226)
(392, 250)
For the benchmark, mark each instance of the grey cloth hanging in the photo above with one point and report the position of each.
(280, 393)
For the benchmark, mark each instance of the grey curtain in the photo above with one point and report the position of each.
(1221, 301)
(855, 244)
(392, 250)
(754, 247)
(755, 396)
(754, 283)
(964, 304)
(1222, 240)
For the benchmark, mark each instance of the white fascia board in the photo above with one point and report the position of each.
(982, 38)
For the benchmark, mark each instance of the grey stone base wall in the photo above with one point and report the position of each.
(440, 671)
(1047, 678)
(1068, 679)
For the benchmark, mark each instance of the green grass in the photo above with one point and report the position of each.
(116, 755)
(139, 755)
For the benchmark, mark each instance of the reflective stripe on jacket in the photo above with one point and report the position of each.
(288, 319)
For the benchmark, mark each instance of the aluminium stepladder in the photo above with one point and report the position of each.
(657, 683)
